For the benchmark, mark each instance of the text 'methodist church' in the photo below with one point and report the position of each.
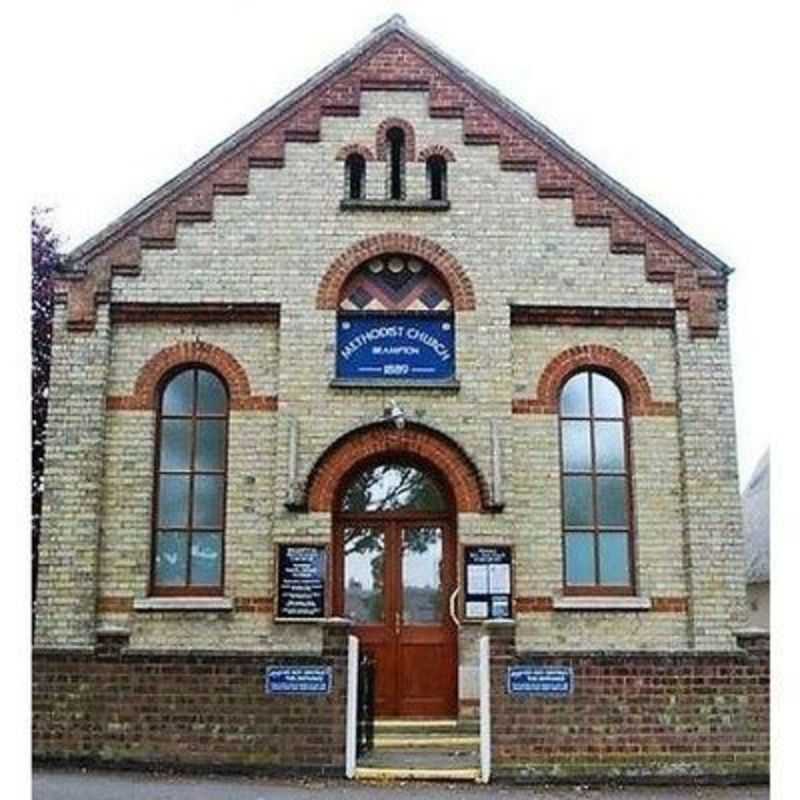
(393, 388)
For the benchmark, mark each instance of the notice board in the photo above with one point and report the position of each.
(302, 572)
(487, 580)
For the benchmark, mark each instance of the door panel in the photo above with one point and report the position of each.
(396, 580)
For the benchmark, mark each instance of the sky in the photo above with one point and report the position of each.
(671, 99)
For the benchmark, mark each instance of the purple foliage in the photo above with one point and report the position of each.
(46, 259)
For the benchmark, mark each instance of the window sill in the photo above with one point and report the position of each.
(394, 205)
(601, 604)
(183, 604)
(450, 385)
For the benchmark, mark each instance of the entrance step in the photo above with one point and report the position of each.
(423, 749)
(416, 774)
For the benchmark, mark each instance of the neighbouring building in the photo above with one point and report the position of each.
(394, 362)
(755, 507)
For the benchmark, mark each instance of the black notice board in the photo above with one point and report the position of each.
(487, 580)
(302, 570)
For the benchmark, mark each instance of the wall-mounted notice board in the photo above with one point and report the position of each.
(487, 580)
(302, 570)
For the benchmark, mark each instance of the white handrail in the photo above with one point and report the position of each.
(484, 681)
(351, 724)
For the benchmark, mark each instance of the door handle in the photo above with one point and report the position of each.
(396, 623)
(453, 614)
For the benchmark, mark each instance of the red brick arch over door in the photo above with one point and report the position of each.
(443, 262)
(382, 439)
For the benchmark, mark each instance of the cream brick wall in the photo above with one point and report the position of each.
(274, 245)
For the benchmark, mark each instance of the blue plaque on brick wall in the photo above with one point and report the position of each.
(395, 346)
(540, 681)
(298, 680)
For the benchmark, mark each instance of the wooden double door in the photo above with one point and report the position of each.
(396, 576)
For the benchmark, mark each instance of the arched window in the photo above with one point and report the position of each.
(355, 174)
(436, 171)
(397, 163)
(395, 323)
(595, 487)
(191, 466)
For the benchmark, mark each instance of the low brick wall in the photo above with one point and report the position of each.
(635, 716)
(186, 710)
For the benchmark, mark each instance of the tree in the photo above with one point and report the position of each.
(46, 258)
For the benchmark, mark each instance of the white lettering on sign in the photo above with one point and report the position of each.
(395, 332)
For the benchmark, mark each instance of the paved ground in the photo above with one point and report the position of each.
(52, 784)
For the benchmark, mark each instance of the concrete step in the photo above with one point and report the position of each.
(416, 774)
(425, 727)
(437, 741)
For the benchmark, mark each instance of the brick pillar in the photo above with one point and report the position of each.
(711, 503)
(73, 479)
(335, 635)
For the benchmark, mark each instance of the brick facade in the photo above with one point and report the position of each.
(674, 715)
(238, 265)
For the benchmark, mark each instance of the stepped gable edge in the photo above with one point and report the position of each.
(394, 57)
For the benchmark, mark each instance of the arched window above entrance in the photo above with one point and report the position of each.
(393, 487)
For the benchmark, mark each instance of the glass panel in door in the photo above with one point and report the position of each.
(423, 590)
(364, 570)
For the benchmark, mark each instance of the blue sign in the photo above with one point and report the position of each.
(540, 681)
(380, 346)
(298, 680)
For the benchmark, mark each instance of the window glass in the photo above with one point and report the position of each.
(190, 484)
(595, 483)
(575, 396)
(363, 574)
(422, 575)
(580, 558)
(391, 487)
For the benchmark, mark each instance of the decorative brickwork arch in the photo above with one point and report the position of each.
(633, 382)
(145, 390)
(360, 149)
(436, 150)
(446, 265)
(383, 439)
(381, 142)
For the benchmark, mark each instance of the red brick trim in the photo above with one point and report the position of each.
(526, 605)
(397, 63)
(381, 142)
(382, 439)
(451, 272)
(670, 605)
(268, 313)
(145, 391)
(349, 149)
(110, 604)
(253, 605)
(593, 315)
(634, 382)
(436, 150)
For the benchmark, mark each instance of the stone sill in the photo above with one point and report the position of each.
(394, 205)
(601, 604)
(183, 604)
(394, 383)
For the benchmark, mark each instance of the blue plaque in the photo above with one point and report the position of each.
(298, 680)
(540, 681)
(395, 346)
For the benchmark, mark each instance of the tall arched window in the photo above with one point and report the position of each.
(436, 170)
(191, 467)
(595, 487)
(397, 163)
(355, 174)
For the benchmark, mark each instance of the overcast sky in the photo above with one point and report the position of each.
(678, 102)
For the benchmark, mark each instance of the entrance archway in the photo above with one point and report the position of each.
(394, 546)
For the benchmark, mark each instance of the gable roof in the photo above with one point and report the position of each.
(755, 510)
(394, 56)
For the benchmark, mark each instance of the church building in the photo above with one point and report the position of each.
(393, 420)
